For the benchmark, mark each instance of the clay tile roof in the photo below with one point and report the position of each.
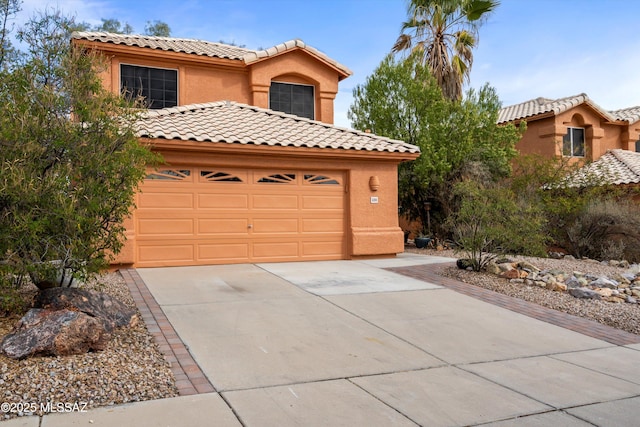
(631, 114)
(614, 167)
(204, 48)
(541, 105)
(234, 123)
(191, 46)
(293, 44)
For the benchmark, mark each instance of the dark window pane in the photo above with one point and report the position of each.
(566, 144)
(292, 99)
(157, 86)
(578, 142)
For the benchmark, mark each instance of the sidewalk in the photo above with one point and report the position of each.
(357, 343)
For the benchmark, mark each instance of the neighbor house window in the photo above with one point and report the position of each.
(638, 146)
(158, 86)
(573, 143)
(292, 99)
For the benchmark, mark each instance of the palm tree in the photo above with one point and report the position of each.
(443, 33)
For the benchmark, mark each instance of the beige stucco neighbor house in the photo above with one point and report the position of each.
(255, 170)
(573, 127)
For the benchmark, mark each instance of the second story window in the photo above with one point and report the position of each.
(292, 99)
(573, 143)
(158, 86)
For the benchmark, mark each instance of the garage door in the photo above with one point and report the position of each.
(193, 216)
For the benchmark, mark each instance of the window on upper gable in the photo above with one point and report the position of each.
(158, 86)
(573, 143)
(292, 99)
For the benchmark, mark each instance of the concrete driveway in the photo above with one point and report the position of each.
(348, 343)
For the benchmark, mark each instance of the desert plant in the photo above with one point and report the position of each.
(492, 222)
(606, 229)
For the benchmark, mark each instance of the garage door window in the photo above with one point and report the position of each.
(279, 178)
(320, 179)
(216, 176)
(170, 175)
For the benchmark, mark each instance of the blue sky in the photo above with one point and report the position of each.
(527, 49)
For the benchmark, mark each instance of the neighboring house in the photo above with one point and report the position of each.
(255, 171)
(573, 127)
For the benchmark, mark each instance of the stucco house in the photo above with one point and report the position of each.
(574, 127)
(255, 169)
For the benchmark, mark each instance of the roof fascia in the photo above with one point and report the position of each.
(261, 150)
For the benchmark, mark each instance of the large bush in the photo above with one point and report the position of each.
(493, 221)
(606, 229)
(458, 139)
(70, 161)
(585, 218)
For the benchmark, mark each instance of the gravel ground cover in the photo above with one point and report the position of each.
(131, 369)
(621, 316)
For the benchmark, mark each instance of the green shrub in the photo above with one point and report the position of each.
(492, 222)
(11, 301)
(606, 229)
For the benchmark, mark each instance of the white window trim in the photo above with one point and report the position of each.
(584, 142)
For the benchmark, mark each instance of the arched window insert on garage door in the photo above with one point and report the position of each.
(290, 178)
(170, 174)
(217, 176)
(320, 179)
(279, 178)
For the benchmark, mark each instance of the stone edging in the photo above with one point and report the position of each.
(591, 328)
(189, 377)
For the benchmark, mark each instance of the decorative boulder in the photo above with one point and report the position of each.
(67, 321)
(112, 312)
(584, 293)
(54, 333)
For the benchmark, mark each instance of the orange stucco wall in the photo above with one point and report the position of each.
(371, 217)
(372, 228)
(544, 135)
(203, 79)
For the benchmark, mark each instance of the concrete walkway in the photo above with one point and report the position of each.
(351, 343)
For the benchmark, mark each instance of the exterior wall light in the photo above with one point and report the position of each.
(374, 183)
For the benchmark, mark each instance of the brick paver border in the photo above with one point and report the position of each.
(189, 377)
(429, 273)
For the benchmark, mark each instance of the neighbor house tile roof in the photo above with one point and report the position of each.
(631, 114)
(541, 105)
(234, 123)
(613, 168)
(205, 48)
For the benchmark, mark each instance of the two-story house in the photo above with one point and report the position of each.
(573, 127)
(255, 170)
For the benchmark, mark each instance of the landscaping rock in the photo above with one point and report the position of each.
(603, 282)
(492, 268)
(113, 313)
(527, 266)
(54, 333)
(584, 293)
